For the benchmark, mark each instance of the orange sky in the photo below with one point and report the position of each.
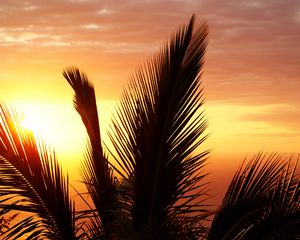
(251, 78)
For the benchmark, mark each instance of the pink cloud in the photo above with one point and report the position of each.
(277, 116)
(253, 54)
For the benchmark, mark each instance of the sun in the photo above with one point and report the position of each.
(57, 124)
(37, 119)
(30, 122)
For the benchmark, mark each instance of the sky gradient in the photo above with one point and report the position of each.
(251, 77)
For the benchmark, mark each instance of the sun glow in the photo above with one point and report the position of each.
(43, 122)
(30, 122)
(60, 126)
(57, 125)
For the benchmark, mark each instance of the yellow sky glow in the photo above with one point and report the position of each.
(60, 126)
(250, 79)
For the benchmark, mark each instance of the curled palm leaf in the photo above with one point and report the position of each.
(96, 173)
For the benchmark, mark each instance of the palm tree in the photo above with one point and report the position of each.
(157, 128)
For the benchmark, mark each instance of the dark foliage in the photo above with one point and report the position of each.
(158, 126)
(262, 202)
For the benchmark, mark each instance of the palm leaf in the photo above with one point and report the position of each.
(261, 202)
(158, 126)
(32, 181)
(96, 173)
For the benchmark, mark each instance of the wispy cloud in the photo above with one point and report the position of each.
(253, 53)
(285, 116)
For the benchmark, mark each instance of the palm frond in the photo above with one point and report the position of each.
(158, 126)
(31, 180)
(261, 201)
(95, 171)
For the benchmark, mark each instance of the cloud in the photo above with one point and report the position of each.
(253, 52)
(274, 135)
(285, 116)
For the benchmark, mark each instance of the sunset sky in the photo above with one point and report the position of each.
(251, 77)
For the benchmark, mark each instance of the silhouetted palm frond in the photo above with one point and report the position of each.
(32, 181)
(262, 202)
(96, 173)
(158, 126)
